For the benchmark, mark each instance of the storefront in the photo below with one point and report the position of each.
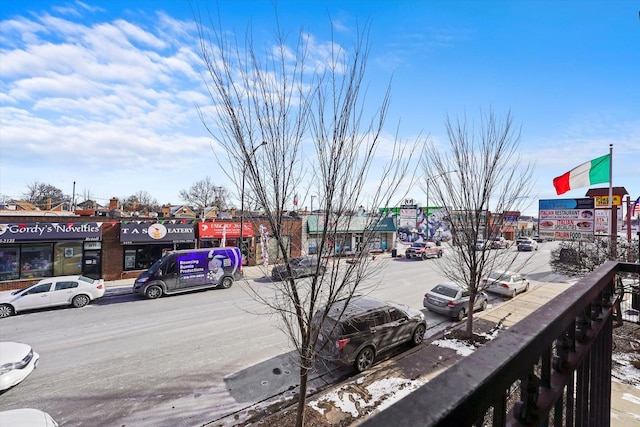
(145, 242)
(352, 233)
(31, 250)
(227, 233)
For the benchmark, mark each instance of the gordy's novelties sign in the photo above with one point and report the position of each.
(39, 231)
(156, 232)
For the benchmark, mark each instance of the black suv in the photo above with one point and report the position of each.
(300, 267)
(356, 330)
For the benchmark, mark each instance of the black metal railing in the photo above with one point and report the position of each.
(551, 368)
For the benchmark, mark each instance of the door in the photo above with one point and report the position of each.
(37, 296)
(92, 264)
(63, 292)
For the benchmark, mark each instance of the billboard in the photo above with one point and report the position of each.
(566, 219)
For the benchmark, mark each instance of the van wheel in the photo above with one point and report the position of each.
(226, 282)
(418, 335)
(364, 359)
(153, 292)
(80, 301)
(6, 310)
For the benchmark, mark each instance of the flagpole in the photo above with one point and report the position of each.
(611, 229)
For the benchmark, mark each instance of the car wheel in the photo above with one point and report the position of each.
(153, 292)
(461, 314)
(424, 257)
(483, 306)
(439, 254)
(80, 301)
(526, 287)
(364, 360)
(6, 310)
(418, 334)
(226, 282)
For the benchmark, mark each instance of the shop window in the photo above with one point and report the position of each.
(141, 257)
(36, 261)
(9, 263)
(67, 259)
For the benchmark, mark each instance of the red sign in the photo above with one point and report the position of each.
(230, 230)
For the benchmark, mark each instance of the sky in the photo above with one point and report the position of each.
(102, 93)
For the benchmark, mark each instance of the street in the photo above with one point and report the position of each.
(188, 359)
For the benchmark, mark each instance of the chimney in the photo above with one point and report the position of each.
(48, 204)
(113, 203)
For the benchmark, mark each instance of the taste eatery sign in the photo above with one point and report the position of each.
(156, 232)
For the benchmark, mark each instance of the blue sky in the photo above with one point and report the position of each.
(102, 92)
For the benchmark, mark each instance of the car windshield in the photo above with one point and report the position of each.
(418, 245)
(156, 265)
(445, 290)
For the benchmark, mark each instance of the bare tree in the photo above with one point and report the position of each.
(581, 257)
(205, 193)
(292, 123)
(40, 194)
(141, 201)
(479, 173)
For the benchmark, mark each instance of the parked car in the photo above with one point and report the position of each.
(423, 250)
(481, 245)
(499, 243)
(355, 331)
(17, 361)
(528, 245)
(26, 417)
(77, 291)
(538, 239)
(300, 267)
(452, 299)
(505, 283)
(521, 239)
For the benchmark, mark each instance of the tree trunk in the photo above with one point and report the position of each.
(302, 402)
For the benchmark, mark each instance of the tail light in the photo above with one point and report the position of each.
(99, 286)
(451, 304)
(426, 296)
(484, 281)
(341, 343)
(505, 285)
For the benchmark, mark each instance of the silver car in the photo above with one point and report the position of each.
(452, 299)
(528, 245)
(505, 283)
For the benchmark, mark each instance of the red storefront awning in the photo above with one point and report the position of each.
(215, 230)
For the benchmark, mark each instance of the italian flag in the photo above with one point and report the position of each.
(594, 172)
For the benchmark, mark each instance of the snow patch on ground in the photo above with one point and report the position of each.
(379, 395)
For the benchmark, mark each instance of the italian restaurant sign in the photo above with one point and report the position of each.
(41, 231)
(566, 219)
(156, 232)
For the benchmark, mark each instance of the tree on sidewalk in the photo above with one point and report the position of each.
(291, 120)
(480, 172)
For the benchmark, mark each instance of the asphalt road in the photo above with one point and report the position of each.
(189, 359)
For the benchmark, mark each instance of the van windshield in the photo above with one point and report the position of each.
(156, 265)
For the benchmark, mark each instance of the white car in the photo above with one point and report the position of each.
(17, 360)
(77, 291)
(26, 417)
(528, 245)
(505, 283)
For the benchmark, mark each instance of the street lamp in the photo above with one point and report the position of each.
(244, 172)
(427, 181)
(312, 197)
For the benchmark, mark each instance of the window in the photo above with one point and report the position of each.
(67, 259)
(36, 261)
(66, 285)
(9, 262)
(396, 314)
(45, 287)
